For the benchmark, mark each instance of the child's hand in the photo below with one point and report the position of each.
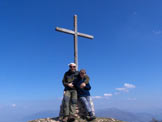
(82, 85)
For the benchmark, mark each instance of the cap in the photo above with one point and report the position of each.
(72, 64)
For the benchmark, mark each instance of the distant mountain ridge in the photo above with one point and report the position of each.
(106, 113)
(124, 115)
(43, 114)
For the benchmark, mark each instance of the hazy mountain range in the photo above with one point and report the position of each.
(109, 112)
(124, 115)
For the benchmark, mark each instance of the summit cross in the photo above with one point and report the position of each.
(75, 33)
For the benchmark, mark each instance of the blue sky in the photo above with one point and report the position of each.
(123, 60)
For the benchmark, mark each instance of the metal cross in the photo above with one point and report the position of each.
(76, 34)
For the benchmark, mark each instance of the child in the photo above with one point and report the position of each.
(84, 94)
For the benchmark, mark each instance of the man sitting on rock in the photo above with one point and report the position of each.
(84, 94)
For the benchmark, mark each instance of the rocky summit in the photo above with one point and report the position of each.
(77, 120)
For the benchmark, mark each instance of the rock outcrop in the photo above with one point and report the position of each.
(80, 114)
(77, 120)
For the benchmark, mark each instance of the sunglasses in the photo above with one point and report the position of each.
(72, 66)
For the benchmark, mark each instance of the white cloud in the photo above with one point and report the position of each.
(96, 97)
(125, 88)
(13, 105)
(107, 95)
(127, 85)
(122, 89)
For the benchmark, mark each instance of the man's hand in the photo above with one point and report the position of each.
(71, 85)
(82, 85)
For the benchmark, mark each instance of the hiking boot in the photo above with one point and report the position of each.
(71, 118)
(91, 116)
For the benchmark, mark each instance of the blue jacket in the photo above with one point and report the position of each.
(82, 92)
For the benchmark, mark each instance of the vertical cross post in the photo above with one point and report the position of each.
(75, 42)
(75, 33)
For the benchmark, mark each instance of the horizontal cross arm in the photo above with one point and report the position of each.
(65, 30)
(85, 35)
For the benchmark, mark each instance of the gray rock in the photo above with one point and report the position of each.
(77, 120)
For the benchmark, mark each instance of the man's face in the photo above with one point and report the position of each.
(72, 68)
